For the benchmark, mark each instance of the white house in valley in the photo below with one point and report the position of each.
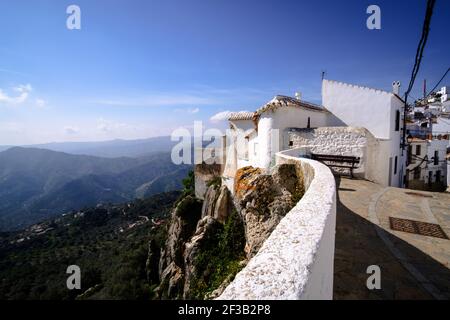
(352, 121)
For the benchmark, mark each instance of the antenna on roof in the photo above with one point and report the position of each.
(323, 74)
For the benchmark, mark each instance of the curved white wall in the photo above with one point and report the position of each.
(296, 261)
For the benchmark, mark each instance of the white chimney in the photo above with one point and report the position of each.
(396, 87)
(298, 96)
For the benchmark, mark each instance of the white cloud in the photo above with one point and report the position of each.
(108, 125)
(40, 103)
(71, 130)
(23, 93)
(220, 116)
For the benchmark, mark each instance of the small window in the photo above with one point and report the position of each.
(436, 158)
(397, 120)
(395, 165)
(309, 123)
(418, 151)
(417, 173)
(291, 143)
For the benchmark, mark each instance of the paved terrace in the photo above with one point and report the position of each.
(412, 266)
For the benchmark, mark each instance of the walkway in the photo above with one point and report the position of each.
(412, 266)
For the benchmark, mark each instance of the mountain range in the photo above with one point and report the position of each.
(37, 183)
(109, 149)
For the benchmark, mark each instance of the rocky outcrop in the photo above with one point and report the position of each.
(203, 174)
(183, 224)
(209, 243)
(203, 246)
(218, 203)
(206, 233)
(264, 199)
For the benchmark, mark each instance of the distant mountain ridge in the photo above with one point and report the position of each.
(36, 183)
(109, 149)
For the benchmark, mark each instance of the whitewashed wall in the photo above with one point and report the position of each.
(348, 141)
(359, 106)
(272, 124)
(374, 110)
(296, 261)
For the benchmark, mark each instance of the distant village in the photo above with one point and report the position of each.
(428, 130)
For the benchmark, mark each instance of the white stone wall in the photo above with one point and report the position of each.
(345, 141)
(296, 261)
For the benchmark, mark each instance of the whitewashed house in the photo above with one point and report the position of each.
(378, 111)
(259, 135)
(370, 122)
(427, 167)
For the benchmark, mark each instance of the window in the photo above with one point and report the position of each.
(242, 148)
(418, 151)
(291, 143)
(417, 173)
(438, 176)
(309, 123)
(395, 165)
(436, 158)
(397, 120)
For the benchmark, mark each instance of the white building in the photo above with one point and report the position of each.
(378, 111)
(441, 126)
(427, 166)
(445, 93)
(258, 135)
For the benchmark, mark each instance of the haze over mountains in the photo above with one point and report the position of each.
(37, 183)
(110, 148)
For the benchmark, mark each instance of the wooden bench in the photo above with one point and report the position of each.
(337, 161)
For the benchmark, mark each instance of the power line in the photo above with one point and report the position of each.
(418, 59)
(438, 82)
(421, 46)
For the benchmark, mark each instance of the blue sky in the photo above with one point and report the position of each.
(138, 69)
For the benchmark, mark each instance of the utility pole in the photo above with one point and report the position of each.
(424, 88)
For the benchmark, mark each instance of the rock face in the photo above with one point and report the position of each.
(182, 227)
(193, 230)
(264, 199)
(218, 203)
(209, 242)
(207, 229)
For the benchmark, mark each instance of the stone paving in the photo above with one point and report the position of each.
(412, 266)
